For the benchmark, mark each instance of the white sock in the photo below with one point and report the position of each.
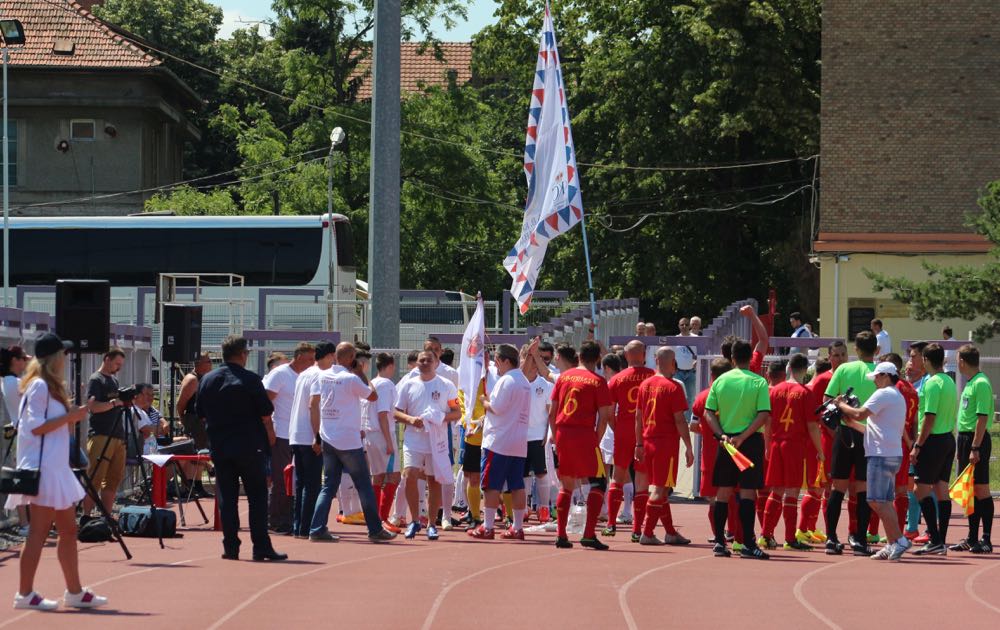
(629, 491)
(489, 515)
(902, 541)
(518, 519)
(529, 492)
(422, 492)
(401, 505)
(460, 498)
(544, 489)
(447, 500)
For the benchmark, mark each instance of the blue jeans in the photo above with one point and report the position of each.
(882, 478)
(690, 380)
(335, 462)
(308, 475)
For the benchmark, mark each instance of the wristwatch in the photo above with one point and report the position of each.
(718, 437)
(975, 448)
(917, 445)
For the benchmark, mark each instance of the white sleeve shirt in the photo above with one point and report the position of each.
(340, 394)
(281, 381)
(505, 431)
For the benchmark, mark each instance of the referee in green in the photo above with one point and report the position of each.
(975, 413)
(933, 453)
(738, 405)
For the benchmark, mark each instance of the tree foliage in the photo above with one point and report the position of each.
(964, 292)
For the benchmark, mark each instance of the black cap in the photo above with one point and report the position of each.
(324, 348)
(49, 344)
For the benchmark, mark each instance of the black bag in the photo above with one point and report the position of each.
(147, 522)
(94, 530)
(22, 480)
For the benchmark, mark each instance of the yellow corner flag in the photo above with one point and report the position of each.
(961, 490)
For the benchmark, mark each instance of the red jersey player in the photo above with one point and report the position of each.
(793, 424)
(660, 416)
(581, 409)
(624, 388)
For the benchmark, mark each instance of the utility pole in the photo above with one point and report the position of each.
(383, 216)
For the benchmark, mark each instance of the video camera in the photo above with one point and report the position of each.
(127, 394)
(831, 414)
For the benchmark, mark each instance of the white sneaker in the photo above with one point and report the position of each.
(900, 547)
(34, 601)
(84, 599)
(885, 552)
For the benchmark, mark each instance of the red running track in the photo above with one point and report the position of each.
(452, 582)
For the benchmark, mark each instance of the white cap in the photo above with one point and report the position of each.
(883, 368)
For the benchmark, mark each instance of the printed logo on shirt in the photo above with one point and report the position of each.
(539, 391)
(436, 396)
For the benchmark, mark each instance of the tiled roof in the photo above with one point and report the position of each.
(419, 70)
(93, 43)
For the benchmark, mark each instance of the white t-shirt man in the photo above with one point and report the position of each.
(370, 411)
(538, 419)
(505, 431)
(884, 434)
(884, 343)
(413, 397)
(340, 394)
(803, 332)
(300, 431)
(281, 382)
(685, 356)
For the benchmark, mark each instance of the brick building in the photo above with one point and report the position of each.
(910, 130)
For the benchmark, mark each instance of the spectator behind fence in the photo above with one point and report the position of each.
(237, 416)
(882, 337)
(106, 447)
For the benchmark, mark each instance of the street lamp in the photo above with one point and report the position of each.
(11, 34)
(337, 136)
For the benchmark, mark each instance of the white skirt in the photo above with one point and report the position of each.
(58, 488)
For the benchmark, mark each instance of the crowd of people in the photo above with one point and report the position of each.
(548, 432)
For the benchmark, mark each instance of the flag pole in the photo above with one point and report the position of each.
(590, 279)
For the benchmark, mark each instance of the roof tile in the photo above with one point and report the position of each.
(421, 69)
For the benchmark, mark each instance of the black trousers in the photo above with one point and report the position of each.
(251, 469)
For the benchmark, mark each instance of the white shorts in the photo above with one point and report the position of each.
(420, 461)
(378, 462)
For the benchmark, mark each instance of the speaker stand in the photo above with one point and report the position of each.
(173, 400)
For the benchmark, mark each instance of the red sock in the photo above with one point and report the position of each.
(902, 504)
(873, 521)
(711, 522)
(594, 501)
(563, 501)
(772, 513)
(826, 502)
(735, 526)
(378, 496)
(616, 496)
(806, 512)
(653, 512)
(639, 511)
(667, 518)
(812, 519)
(762, 496)
(852, 514)
(788, 510)
(388, 496)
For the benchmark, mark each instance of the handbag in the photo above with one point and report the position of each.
(22, 480)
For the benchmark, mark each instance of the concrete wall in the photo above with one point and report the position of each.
(855, 286)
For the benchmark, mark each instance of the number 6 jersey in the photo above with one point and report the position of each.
(578, 394)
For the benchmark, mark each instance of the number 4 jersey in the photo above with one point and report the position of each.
(578, 394)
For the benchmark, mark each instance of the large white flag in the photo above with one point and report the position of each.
(554, 204)
(472, 362)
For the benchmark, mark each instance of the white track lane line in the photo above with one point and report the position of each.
(971, 591)
(797, 591)
(429, 620)
(624, 588)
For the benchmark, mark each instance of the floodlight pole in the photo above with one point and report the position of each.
(6, 187)
(336, 137)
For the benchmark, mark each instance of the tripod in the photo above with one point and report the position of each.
(133, 440)
(76, 462)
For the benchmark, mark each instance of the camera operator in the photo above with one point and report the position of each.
(885, 412)
(148, 419)
(106, 446)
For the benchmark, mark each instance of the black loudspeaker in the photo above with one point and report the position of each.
(181, 333)
(83, 314)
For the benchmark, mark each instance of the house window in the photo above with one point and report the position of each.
(12, 151)
(81, 130)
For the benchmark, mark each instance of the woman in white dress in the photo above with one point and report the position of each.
(45, 416)
(12, 363)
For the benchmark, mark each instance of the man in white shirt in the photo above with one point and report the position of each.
(799, 329)
(306, 454)
(335, 410)
(421, 400)
(885, 412)
(280, 386)
(686, 357)
(696, 326)
(950, 356)
(379, 426)
(538, 429)
(505, 443)
(882, 337)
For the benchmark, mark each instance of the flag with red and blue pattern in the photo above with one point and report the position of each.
(554, 204)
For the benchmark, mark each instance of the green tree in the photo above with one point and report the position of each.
(964, 292)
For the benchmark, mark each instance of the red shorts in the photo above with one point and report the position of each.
(903, 476)
(786, 465)
(709, 450)
(660, 456)
(578, 452)
(624, 454)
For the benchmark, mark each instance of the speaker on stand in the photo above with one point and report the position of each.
(181, 343)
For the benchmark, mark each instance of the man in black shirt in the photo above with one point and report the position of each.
(237, 411)
(106, 446)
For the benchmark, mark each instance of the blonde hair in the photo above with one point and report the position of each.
(46, 370)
